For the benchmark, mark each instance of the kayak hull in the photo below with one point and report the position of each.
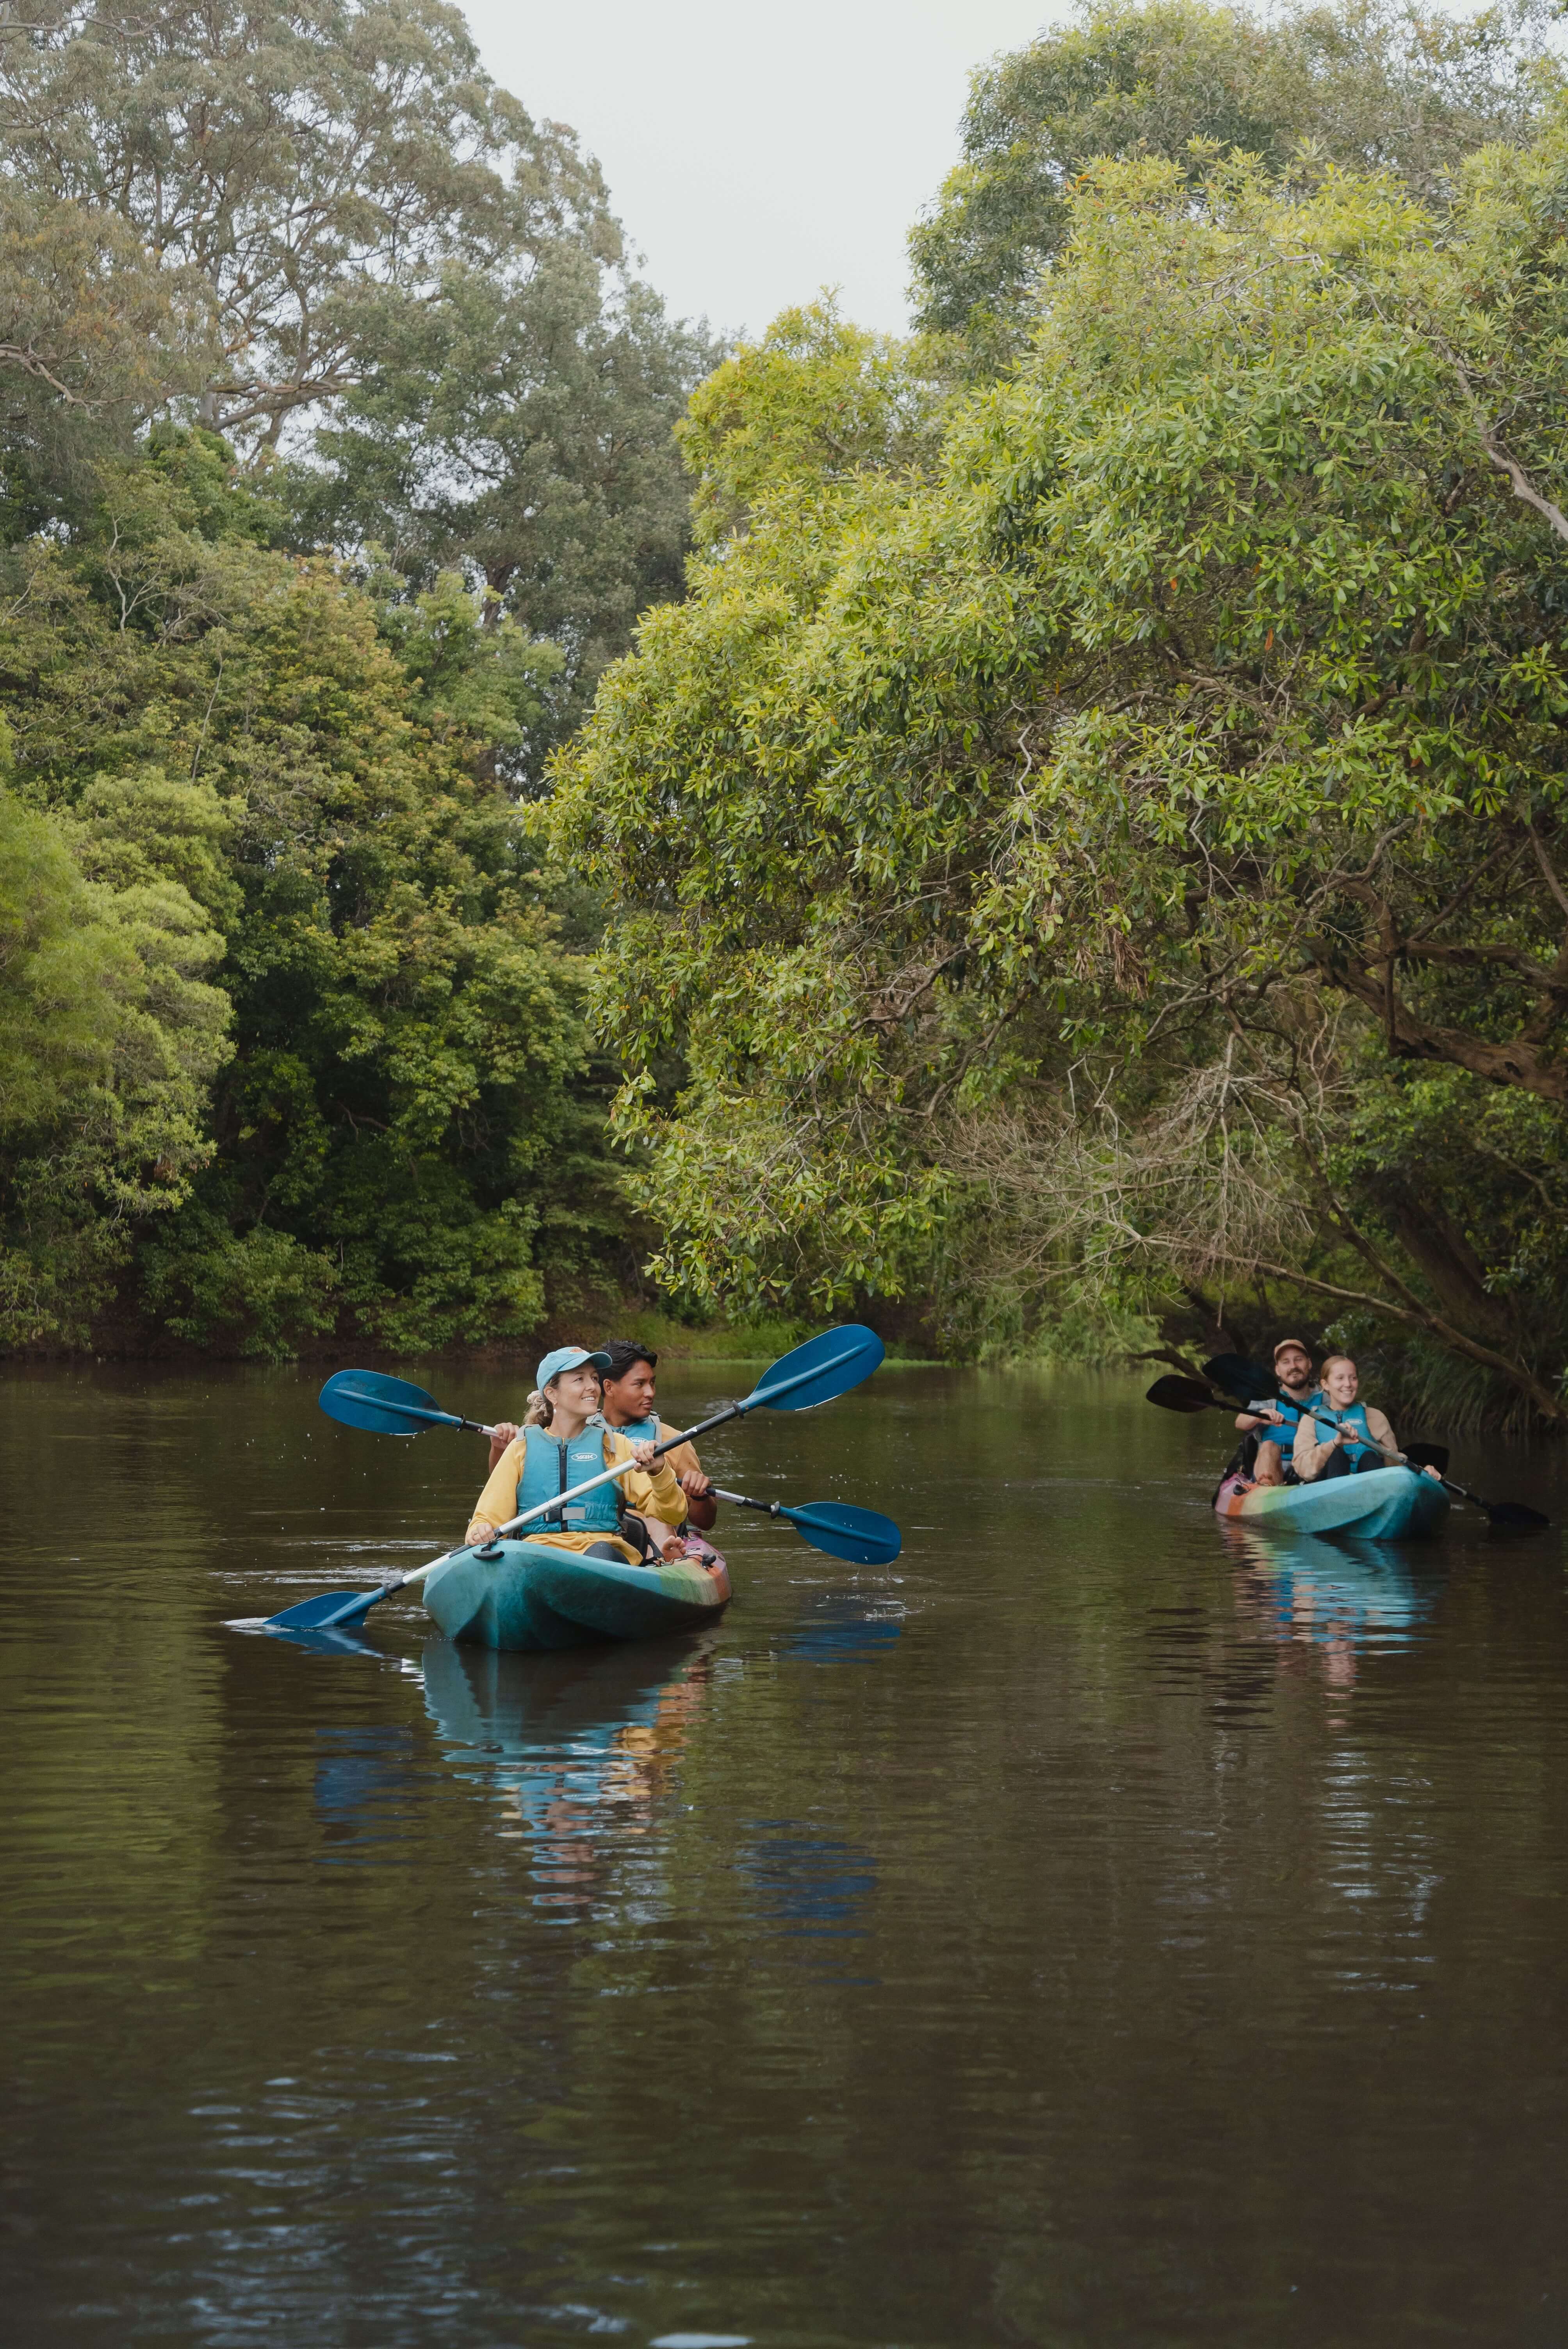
(527, 1596)
(1384, 1505)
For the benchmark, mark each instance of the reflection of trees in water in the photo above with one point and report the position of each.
(582, 1746)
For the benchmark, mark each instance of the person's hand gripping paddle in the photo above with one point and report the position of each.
(816, 1373)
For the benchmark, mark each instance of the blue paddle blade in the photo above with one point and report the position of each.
(333, 1606)
(819, 1370)
(385, 1406)
(328, 1643)
(858, 1535)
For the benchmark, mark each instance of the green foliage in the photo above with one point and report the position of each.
(109, 1033)
(1365, 84)
(814, 402)
(329, 237)
(314, 165)
(232, 744)
(1061, 873)
(518, 426)
(339, 459)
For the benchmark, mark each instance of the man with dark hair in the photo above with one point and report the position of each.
(628, 1407)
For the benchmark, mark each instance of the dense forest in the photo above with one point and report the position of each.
(337, 463)
(1051, 827)
(1091, 843)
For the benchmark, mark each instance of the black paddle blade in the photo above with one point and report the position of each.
(1514, 1515)
(386, 1407)
(1428, 1456)
(1179, 1395)
(1238, 1376)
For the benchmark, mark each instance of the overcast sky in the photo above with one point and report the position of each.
(753, 153)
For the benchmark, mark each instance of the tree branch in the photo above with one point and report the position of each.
(1522, 485)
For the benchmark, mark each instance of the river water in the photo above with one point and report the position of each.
(1093, 1930)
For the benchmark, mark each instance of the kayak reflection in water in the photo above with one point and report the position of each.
(581, 1750)
(1346, 1438)
(1326, 1600)
(563, 1447)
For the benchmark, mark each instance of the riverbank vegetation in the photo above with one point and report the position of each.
(1075, 851)
(1096, 842)
(337, 463)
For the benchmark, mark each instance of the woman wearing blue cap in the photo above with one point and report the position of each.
(543, 1461)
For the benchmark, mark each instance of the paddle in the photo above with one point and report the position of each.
(1428, 1456)
(388, 1406)
(834, 1527)
(823, 1368)
(1175, 1394)
(1238, 1375)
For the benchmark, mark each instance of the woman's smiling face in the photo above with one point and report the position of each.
(1340, 1382)
(578, 1388)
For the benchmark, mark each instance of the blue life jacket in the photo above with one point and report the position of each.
(641, 1430)
(1292, 1411)
(551, 1467)
(1354, 1418)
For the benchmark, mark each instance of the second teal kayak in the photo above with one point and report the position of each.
(1384, 1505)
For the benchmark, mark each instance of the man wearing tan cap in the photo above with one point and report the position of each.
(1297, 1389)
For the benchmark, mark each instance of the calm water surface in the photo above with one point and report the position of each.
(1092, 1929)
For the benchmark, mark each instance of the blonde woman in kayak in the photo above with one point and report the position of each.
(1361, 1440)
(542, 1462)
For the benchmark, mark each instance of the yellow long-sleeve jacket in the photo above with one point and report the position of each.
(651, 1495)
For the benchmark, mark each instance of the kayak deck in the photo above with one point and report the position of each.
(1384, 1505)
(525, 1595)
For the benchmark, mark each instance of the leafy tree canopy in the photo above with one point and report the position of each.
(1365, 84)
(338, 457)
(1128, 859)
(348, 249)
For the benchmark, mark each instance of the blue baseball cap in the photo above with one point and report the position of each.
(568, 1358)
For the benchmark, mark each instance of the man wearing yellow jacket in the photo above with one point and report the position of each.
(544, 1462)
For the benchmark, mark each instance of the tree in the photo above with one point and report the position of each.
(1365, 83)
(410, 1121)
(1110, 865)
(94, 339)
(109, 1034)
(311, 162)
(338, 459)
(522, 431)
(385, 271)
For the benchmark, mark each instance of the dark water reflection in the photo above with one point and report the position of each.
(1095, 1929)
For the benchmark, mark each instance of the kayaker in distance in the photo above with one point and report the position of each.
(1361, 1440)
(628, 1399)
(1297, 1388)
(538, 1462)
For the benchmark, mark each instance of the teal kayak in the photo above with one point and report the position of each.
(530, 1595)
(1384, 1505)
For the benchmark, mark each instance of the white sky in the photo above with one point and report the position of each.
(758, 153)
